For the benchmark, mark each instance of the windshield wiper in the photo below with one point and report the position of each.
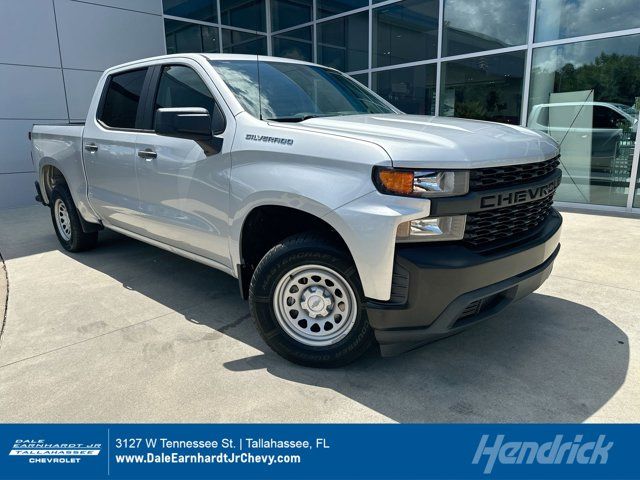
(294, 119)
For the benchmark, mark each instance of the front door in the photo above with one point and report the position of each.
(184, 185)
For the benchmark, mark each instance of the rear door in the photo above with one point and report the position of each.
(184, 185)
(109, 148)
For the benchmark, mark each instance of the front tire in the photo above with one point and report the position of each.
(307, 303)
(66, 222)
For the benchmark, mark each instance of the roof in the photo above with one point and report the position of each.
(262, 58)
(210, 56)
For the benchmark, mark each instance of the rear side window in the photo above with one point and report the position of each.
(180, 86)
(121, 101)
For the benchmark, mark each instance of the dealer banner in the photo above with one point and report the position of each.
(319, 451)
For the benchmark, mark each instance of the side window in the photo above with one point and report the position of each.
(180, 86)
(604, 117)
(120, 106)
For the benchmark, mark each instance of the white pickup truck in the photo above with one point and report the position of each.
(345, 221)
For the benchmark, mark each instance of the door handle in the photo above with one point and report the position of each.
(147, 154)
(91, 147)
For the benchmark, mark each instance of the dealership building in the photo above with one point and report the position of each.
(570, 68)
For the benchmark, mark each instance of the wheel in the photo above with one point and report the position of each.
(66, 221)
(307, 303)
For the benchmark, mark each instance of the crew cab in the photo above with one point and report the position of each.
(347, 223)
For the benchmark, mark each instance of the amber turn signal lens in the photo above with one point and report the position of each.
(397, 181)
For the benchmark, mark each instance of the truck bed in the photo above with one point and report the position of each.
(59, 148)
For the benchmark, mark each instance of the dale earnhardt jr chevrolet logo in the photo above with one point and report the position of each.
(505, 199)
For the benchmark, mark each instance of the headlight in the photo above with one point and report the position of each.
(432, 229)
(421, 183)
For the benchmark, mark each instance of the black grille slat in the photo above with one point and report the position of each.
(496, 228)
(494, 177)
(484, 229)
(471, 309)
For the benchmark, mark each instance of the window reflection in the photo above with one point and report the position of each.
(363, 78)
(412, 89)
(197, 9)
(183, 37)
(289, 13)
(294, 44)
(234, 41)
(326, 8)
(249, 14)
(477, 25)
(343, 43)
(571, 18)
(585, 95)
(484, 88)
(405, 32)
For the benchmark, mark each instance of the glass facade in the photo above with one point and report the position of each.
(411, 89)
(405, 32)
(585, 96)
(343, 42)
(194, 9)
(568, 68)
(328, 8)
(483, 25)
(484, 88)
(296, 44)
(249, 14)
(190, 37)
(236, 41)
(289, 13)
(572, 18)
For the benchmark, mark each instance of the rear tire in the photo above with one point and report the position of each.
(66, 221)
(307, 303)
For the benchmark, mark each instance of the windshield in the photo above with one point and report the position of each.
(295, 92)
(627, 109)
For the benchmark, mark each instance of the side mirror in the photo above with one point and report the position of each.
(192, 123)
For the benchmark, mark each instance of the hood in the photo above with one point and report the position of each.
(441, 142)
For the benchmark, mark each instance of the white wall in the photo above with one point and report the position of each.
(52, 53)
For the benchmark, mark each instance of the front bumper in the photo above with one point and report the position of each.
(440, 290)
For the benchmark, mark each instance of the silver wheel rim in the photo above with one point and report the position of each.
(62, 219)
(315, 305)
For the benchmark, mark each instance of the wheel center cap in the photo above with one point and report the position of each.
(315, 303)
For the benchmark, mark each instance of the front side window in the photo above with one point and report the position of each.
(120, 106)
(293, 92)
(604, 117)
(180, 86)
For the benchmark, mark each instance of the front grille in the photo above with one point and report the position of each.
(493, 227)
(472, 311)
(494, 177)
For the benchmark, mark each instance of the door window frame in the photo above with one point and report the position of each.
(139, 125)
(151, 94)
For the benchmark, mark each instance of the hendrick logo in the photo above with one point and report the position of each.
(267, 139)
(549, 453)
(504, 199)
